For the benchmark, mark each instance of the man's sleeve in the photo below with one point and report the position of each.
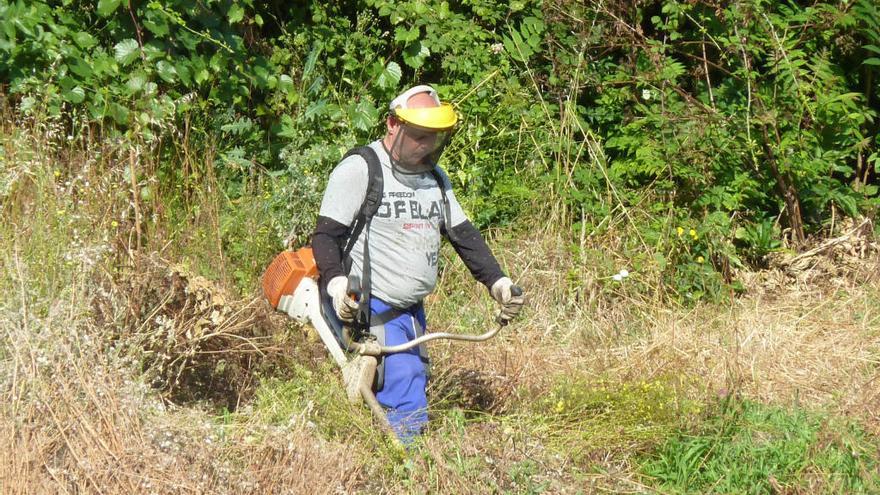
(342, 200)
(472, 249)
(469, 243)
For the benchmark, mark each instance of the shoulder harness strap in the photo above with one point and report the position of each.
(447, 210)
(371, 204)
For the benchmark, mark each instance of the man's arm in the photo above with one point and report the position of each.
(345, 192)
(472, 249)
(475, 253)
(467, 240)
(327, 245)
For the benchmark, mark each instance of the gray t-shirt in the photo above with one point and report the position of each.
(405, 232)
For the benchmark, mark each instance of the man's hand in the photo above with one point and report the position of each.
(345, 307)
(510, 303)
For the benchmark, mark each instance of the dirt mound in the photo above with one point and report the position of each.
(198, 342)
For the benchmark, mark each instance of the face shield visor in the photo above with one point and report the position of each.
(424, 133)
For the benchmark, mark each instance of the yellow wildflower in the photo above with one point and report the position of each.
(560, 406)
(680, 231)
(700, 259)
(693, 233)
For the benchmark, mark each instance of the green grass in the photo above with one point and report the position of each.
(315, 397)
(749, 447)
(584, 415)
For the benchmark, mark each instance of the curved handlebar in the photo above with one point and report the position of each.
(374, 349)
(392, 349)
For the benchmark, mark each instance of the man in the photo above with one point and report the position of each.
(402, 244)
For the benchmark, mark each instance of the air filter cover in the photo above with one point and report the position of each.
(285, 273)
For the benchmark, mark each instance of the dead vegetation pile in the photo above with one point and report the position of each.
(850, 259)
(195, 340)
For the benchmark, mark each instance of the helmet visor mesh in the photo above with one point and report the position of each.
(419, 149)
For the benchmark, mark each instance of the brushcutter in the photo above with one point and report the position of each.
(290, 284)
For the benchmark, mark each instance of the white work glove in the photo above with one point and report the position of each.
(345, 307)
(510, 304)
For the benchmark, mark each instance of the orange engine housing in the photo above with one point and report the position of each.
(285, 273)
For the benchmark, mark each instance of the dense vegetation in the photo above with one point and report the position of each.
(633, 164)
(711, 133)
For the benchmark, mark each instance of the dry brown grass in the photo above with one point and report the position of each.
(110, 368)
(76, 418)
(814, 338)
(80, 345)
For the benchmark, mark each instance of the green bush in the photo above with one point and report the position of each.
(723, 116)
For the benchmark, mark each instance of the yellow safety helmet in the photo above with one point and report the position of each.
(442, 118)
(439, 118)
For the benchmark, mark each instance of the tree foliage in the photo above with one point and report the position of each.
(750, 122)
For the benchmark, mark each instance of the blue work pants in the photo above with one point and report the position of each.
(406, 376)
